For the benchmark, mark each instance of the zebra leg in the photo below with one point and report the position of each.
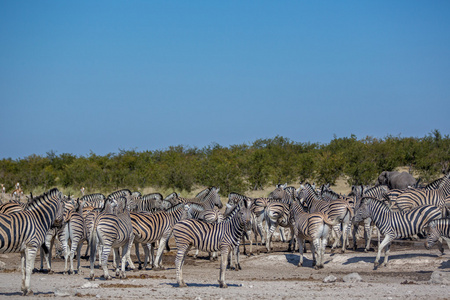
(151, 247)
(179, 261)
(78, 257)
(104, 260)
(344, 235)
(354, 232)
(314, 245)
(23, 259)
(337, 235)
(136, 249)
(223, 266)
(270, 232)
(300, 250)
(30, 255)
(128, 253)
(387, 239)
(386, 254)
(367, 235)
(321, 252)
(158, 259)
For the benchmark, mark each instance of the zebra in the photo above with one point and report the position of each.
(149, 228)
(112, 231)
(233, 200)
(379, 192)
(314, 227)
(394, 224)
(224, 236)
(436, 230)
(413, 198)
(24, 231)
(340, 211)
(73, 230)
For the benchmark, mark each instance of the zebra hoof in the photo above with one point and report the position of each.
(316, 267)
(27, 292)
(223, 285)
(182, 284)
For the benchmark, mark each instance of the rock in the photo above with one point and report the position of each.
(353, 277)
(59, 293)
(2, 266)
(438, 277)
(89, 285)
(329, 278)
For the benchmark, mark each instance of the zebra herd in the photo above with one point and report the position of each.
(116, 222)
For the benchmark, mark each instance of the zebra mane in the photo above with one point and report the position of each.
(93, 196)
(152, 196)
(328, 195)
(171, 196)
(203, 194)
(120, 193)
(373, 200)
(176, 207)
(311, 190)
(231, 214)
(434, 184)
(234, 198)
(36, 201)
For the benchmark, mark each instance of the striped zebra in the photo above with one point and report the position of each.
(223, 237)
(94, 200)
(339, 211)
(233, 200)
(394, 225)
(379, 192)
(150, 228)
(24, 231)
(112, 231)
(73, 231)
(436, 230)
(314, 227)
(437, 197)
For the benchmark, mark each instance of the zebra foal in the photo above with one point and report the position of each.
(394, 225)
(224, 236)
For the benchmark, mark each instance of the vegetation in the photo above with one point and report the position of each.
(237, 168)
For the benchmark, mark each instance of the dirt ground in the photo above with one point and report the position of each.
(263, 276)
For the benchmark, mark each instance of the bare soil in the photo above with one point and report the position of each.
(263, 276)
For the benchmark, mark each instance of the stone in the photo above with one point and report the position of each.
(330, 278)
(438, 277)
(352, 277)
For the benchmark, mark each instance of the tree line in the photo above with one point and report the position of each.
(237, 168)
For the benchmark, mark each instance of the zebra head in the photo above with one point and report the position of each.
(432, 235)
(60, 208)
(245, 213)
(214, 194)
(362, 210)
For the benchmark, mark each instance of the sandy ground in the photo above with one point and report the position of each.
(263, 276)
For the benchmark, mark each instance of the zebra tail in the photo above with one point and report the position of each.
(93, 241)
(327, 220)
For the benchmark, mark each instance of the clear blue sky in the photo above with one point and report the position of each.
(82, 76)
